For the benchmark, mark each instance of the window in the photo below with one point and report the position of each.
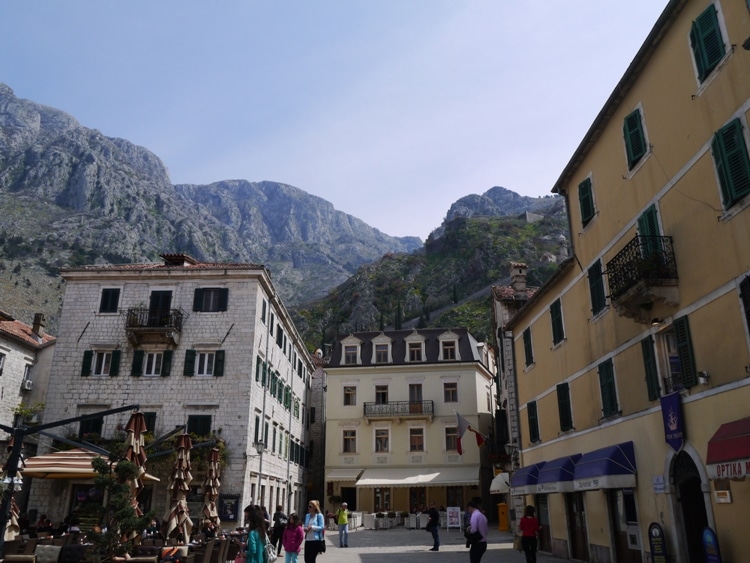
(381, 394)
(350, 441)
(706, 42)
(110, 300)
(744, 297)
(274, 380)
(416, 439)
(280, 337)
(210, 299)
(381, 440)
(150, 419)
(100, 363)
(381, 353)
(415, 351)
(2, 363)
(350, 396)
(449, 350)
(586, 201)
(256, 436)
(635, 138)
(151, 363)
(608, 389)
(350, 355)
(199, 424)
(596, 288)
(211, 364)
(528, 351)
(263, 311)
(531, 412)
(91, 426)
(563, 407)
(650, 368)
(450, 392)
(382, 499)
(558, 332)
(451, 438)
(732, 162)
(204, 364)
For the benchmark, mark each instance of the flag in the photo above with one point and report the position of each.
(463, 426)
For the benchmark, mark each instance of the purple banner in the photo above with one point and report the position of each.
(674, 424)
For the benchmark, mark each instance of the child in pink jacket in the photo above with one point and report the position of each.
(292, 538)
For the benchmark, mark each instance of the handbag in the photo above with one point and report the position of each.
(269, 553)
(321, 546)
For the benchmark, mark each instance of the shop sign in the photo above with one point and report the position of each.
(737, 469)
(657, 543)
(711, 546)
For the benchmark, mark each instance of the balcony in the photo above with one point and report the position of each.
(641, 274)
(398, 410)
(153, 326)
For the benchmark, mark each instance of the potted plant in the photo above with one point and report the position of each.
(379, 516)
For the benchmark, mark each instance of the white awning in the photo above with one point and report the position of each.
(500, 484)
(419, 477)
(346, 474)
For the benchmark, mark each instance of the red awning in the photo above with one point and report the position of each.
(728, 453)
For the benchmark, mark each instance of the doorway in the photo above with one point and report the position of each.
(691, 505)
(579, 542)
(349, 496)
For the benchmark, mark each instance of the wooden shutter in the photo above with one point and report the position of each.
(635, 140)
(219, 363)
(706, 42)
(88, 357)
(223, 298)
(527, 349)
(563, 407)
(586, 201)
(607, 388)
(745, 297)
(114, 366)
(166, 363)
(189, 369)
(555, 310)
(685, 352)
(596, 287)
(533, 421)
(649, 366)
(136, 369)
(732, 162)
(198, 299)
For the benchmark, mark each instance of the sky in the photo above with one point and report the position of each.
(389, 109)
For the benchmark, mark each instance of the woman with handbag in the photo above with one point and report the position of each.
(314, 532)
(256, 537)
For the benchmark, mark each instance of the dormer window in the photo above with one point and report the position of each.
(449, 350)
(449, 347)
(381, 353)
(415, 351)
(350, 355)
(381, 350)
(351, 348)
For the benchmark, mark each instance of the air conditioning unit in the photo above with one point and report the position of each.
(27, 384)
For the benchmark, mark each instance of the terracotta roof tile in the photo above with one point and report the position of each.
(22, 332)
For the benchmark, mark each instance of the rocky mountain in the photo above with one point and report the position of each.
(70, 195)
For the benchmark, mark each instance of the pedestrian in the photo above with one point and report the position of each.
(477, 533)
(530, 527)
(256, 537)
(292, 538)
(279, 525)
(433, 526)
(314, 531)
(342, 519)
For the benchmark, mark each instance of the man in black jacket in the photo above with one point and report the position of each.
(434, 527)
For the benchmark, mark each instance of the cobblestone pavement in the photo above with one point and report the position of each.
(401, 545)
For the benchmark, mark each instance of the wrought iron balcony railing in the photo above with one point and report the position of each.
(144, 318)
(644, 259)
(399, 409)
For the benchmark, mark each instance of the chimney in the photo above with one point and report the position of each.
(39, 324)
(518, 279)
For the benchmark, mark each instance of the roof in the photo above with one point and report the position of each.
(171, 262)
(507, 293)
(22, 333)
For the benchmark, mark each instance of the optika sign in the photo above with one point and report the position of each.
(730, 470)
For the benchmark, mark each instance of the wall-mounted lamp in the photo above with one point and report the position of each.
(260, 447)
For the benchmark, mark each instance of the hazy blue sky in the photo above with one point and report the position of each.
(389, 109)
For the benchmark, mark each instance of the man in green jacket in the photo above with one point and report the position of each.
(342, 519)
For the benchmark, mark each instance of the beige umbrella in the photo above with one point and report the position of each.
(211, 489)
(177, 521)
(136, 454)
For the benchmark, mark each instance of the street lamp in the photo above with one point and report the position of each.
(512, 450)
(260, 447)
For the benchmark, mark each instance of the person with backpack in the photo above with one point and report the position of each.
(279, 524)
(342, 519)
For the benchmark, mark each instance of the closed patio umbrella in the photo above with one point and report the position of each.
(177, 521)
(12, 529)
(211, 489)
(136, 454)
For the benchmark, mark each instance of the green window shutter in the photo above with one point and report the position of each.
(189, 369)
(273, 384)
(198, 299)
(114, 367)
(586, 201)
(706, 42)
(563, 407)
(649, 366)
(533, 421)
(166, 363)
(648, 227)
(258, 367)
(558, 332)
(732, 162)
(685, 352)
(287, 398)
(219, 363)
(527, 349)
(223, 298)
(608, 389)
(635, 139)
(596, 287)
(264, 375)
(88, 357)
(745, 298)
(136, 369)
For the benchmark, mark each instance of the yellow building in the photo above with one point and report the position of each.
(390, 414)
(631, 364)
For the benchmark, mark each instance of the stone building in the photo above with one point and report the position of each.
(206, 345)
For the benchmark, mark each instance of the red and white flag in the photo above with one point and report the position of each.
(463, 426)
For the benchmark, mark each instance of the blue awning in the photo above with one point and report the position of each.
(612, 467)
(557, 475)
(523, 481)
